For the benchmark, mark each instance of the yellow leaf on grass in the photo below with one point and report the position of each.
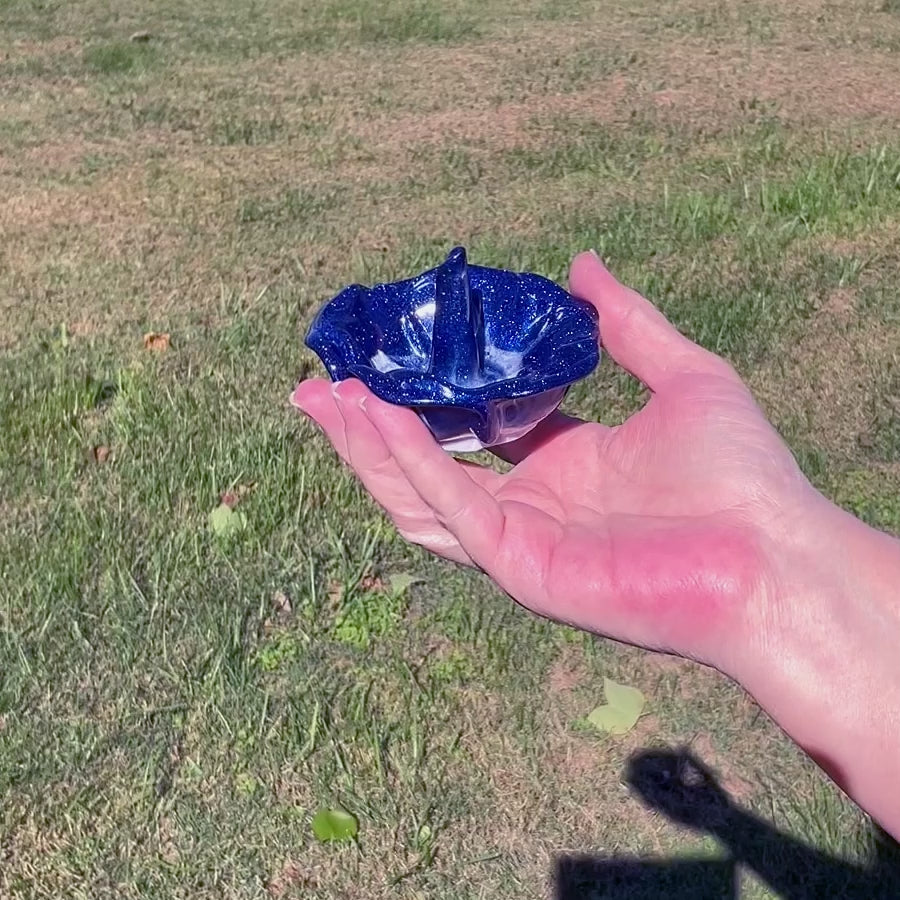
(621, 711)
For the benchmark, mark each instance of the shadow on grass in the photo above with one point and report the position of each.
(680, 787)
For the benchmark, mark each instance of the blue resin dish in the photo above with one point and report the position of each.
(481, 354)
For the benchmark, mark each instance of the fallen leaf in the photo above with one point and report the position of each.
(236, 494)
(225, 522)
(621, 711)
(157, 340)
(371, 583)
(335, 594)
(281, 602)
(401, 582)
(334, 825)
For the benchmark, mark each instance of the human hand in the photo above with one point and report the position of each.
(658, 531)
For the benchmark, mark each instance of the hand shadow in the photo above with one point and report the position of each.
(678, 785)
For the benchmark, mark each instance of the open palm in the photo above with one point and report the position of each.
(655, 531)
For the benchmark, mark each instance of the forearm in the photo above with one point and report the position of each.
(828, 668)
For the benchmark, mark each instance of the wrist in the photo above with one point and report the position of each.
(835, 590)
(824, 657)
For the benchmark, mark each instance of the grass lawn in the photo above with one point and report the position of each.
(175, 704)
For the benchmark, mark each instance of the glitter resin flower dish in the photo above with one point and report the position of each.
(481, 354)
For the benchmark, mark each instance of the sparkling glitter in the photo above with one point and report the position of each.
(482, 354)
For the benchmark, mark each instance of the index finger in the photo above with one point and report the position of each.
(634, 332)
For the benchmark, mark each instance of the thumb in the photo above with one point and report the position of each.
(633, 331)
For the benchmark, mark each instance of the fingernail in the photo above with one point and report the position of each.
(295, 402)
(362, 403)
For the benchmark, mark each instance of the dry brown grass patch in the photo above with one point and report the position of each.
(831, 372)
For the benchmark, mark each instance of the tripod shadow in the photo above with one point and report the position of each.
(680, 787)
